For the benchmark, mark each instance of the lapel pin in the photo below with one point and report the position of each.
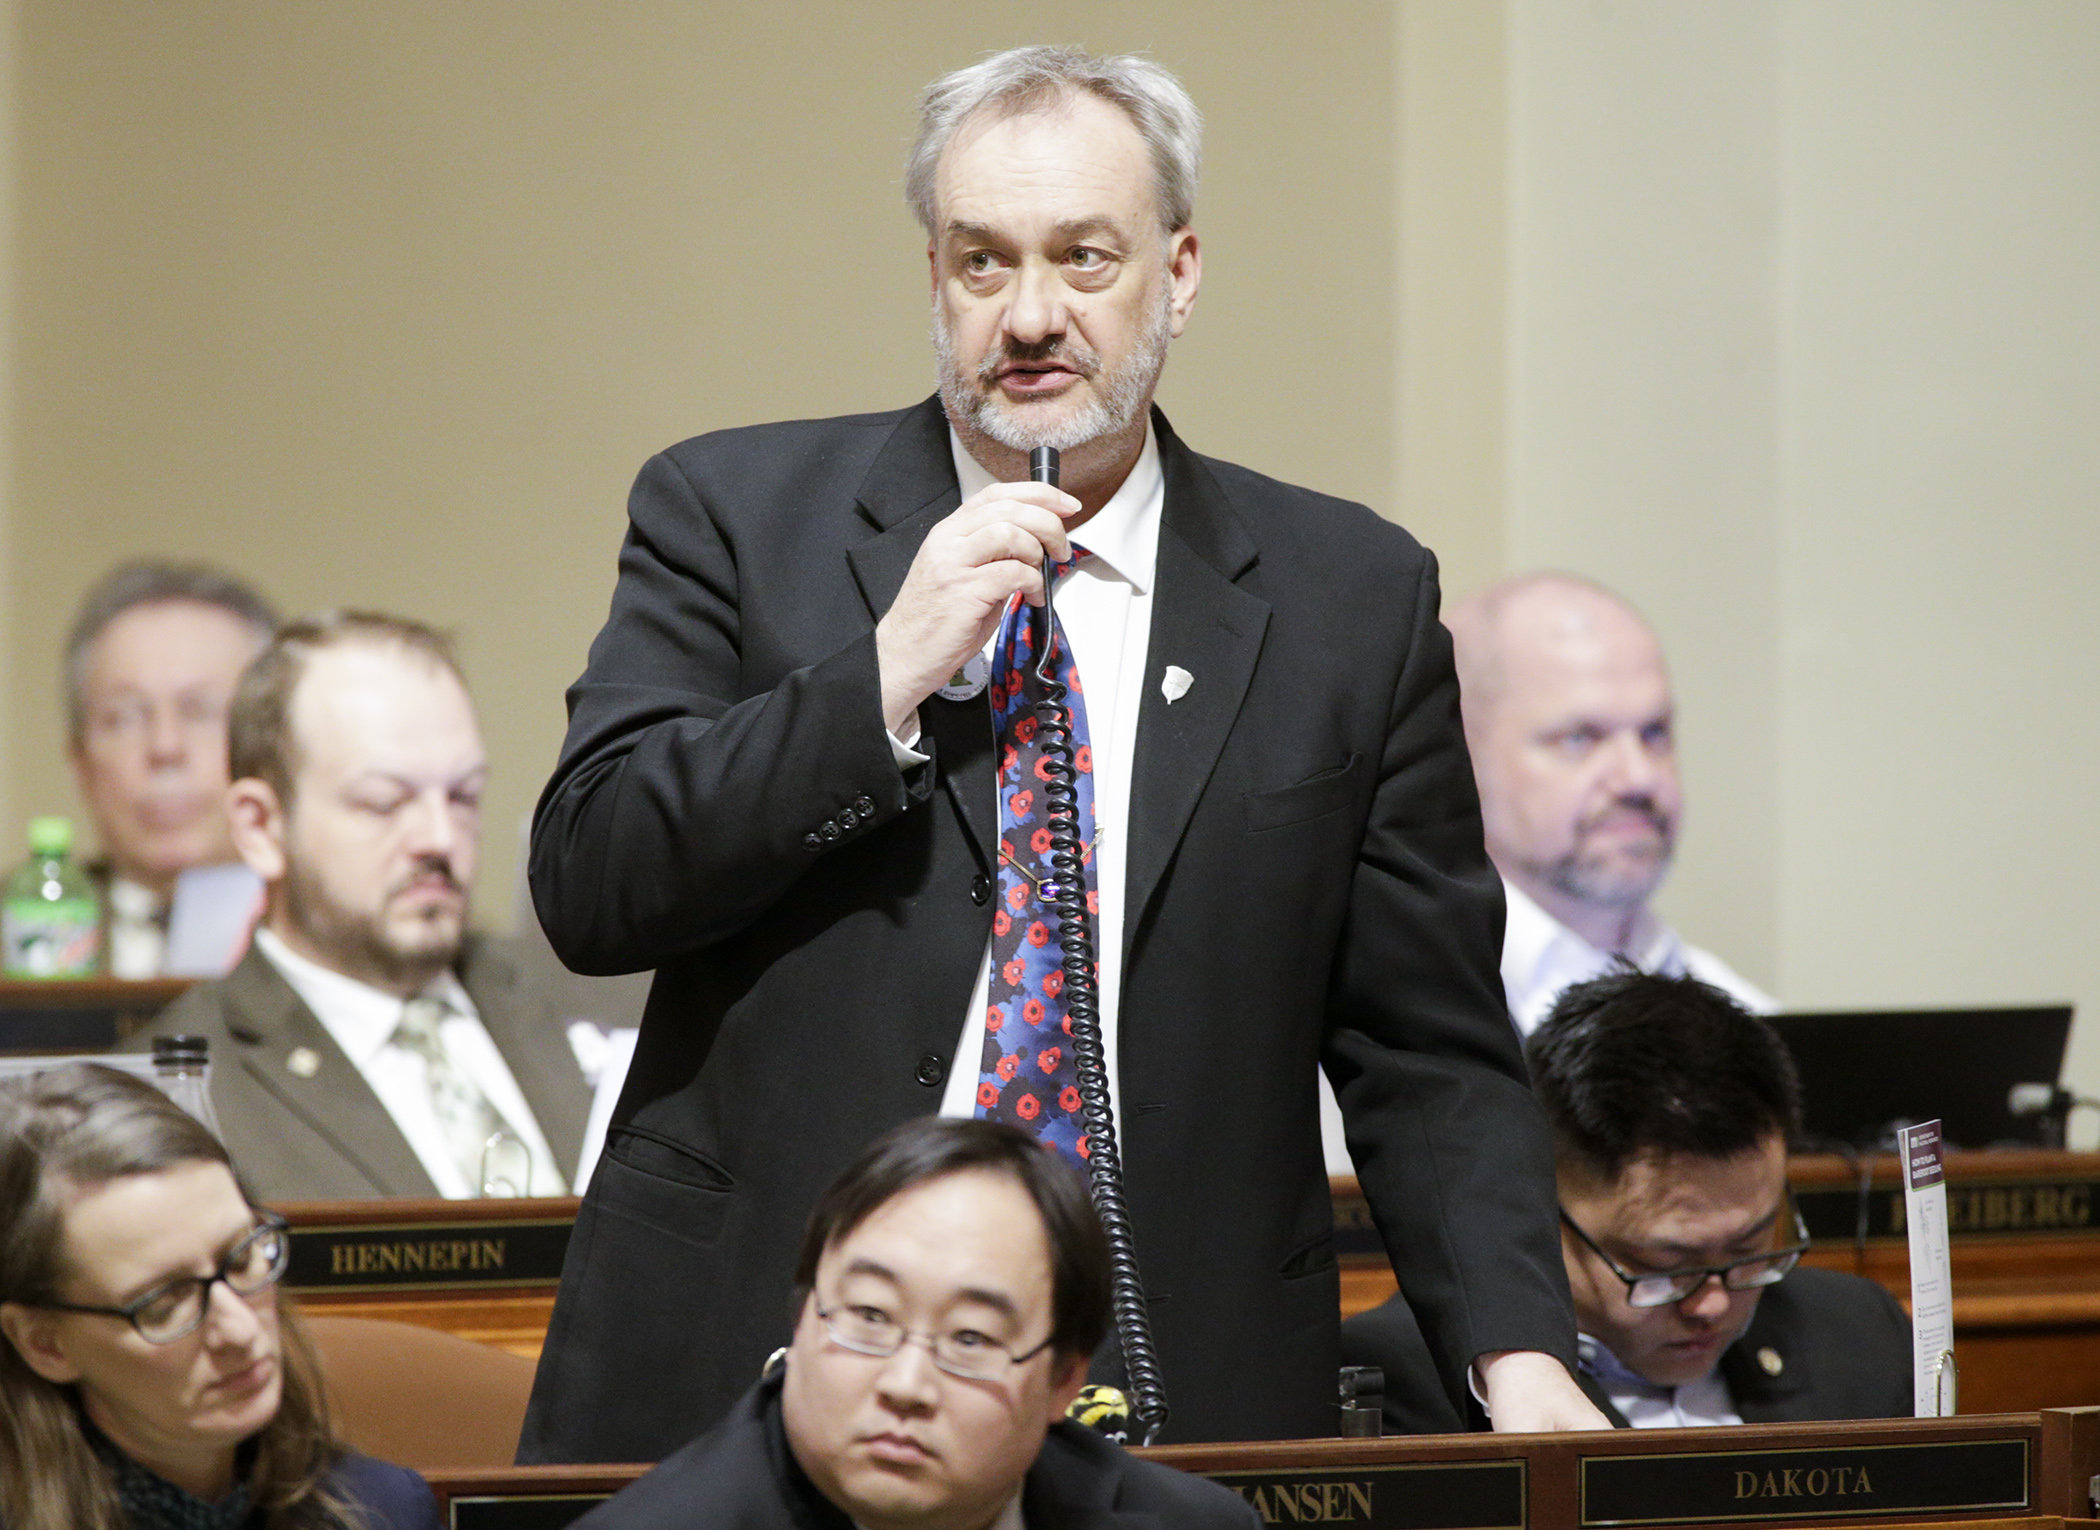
(304, 1062)
(968, 682)
(1175, 683)
(1768, 1357)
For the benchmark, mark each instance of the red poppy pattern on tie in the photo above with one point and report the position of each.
(1029, 1077)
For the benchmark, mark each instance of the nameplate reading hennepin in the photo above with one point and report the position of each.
(1842, 1482)
(1431, 1495)
(448, 1256)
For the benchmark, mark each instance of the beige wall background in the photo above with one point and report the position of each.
(1778, 316)
(1802, 355)
(384, 304)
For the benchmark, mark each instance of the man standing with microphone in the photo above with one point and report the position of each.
(804, 780)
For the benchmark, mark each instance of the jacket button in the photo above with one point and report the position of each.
(811, 843)
(931, 1070)
(830, 831)
(981, 891)
(849, 819)
(865, 806)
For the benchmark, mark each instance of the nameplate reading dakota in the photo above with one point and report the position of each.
(427, 1256)
(1434, 1495)
(1844, 1482)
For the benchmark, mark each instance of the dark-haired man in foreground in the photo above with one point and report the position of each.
(952, 1285)
(1671, 1107)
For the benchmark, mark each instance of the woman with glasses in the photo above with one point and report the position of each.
(152, 1378)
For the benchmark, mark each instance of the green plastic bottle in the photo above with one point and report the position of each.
(50, 920)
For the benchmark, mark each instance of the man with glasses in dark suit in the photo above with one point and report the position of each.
(951, 1287)
(1671, 1107)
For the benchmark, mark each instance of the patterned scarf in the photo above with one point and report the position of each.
(153, 1503)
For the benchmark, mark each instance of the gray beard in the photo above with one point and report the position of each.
(973, 403)
(1577, 877)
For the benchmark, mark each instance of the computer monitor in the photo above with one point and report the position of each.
(1862, 1071)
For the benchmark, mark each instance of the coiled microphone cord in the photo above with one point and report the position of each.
(1075, 939)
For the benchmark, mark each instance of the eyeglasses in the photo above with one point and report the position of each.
(1668, 1286)
(135, 717)
(175, 1308)
(965, 1352)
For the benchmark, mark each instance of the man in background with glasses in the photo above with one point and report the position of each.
(150, 667)
(1671, 1106)
(950, 1288)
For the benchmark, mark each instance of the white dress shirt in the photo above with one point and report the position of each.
(1105, 606)
(138, 929)
(1646, 1405)
(1541, 957)
(361, 1020)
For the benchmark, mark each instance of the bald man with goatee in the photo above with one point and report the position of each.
(1571, 724)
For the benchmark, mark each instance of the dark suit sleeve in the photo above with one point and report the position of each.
(683, 799)
(1449, 1144)
(389, 1497)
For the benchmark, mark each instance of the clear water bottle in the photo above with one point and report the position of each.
(182, 1065)
(50, 920)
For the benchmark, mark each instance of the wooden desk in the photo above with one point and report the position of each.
(485, 1270)
(79, 1014)
(2026, 1245)
(2025, 1238)
(2010, 1472)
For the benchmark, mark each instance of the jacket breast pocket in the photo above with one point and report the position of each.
(1328, 792)
(649, 1178)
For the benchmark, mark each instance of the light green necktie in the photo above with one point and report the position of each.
(471, 1124)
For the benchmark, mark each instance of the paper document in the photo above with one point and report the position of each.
(1931, 1273)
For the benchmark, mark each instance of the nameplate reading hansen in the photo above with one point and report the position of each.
(428, 1256)
(1841, 1482)
(1437, 1495)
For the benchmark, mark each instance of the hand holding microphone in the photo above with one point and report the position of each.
(998, 543)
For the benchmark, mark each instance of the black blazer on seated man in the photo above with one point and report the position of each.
(742, 1474)
(1822, 1345)
(310, 1127)
(1305, 885)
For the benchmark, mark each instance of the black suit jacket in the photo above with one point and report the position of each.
(741, 1475)
(327, 1136)
(1305, 884)
(1822, 1345)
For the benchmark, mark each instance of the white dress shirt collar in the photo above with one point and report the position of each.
(1124, 533)
(1646, 1404)
(359, 1017)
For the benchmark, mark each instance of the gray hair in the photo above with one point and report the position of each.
(149, 582)
(1030, 79)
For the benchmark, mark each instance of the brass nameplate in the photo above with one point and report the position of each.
(1840, 1482)
(522, 1511)
(449, 1256)
(1989, 1208)
(1433, 1495)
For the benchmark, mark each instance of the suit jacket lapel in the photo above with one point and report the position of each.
(1206, 624)
(1070, 1487)
(909, 489)
(336, 1104)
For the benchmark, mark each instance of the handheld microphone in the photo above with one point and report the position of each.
(1042, 468)
(1075, 940)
